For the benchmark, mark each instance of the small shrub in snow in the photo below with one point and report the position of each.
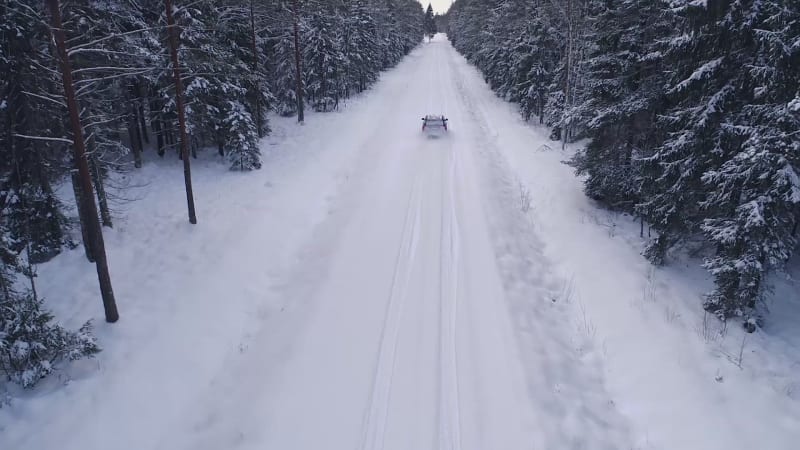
(242, 140)
(31, 345)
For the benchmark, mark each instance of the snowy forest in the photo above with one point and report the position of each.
(399, 224)
(690, 111)
(687, 114)
(238, 60)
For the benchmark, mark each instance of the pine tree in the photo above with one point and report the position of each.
(235, 57)
(751, 208)
(430, 22)
(625, 95)
(323, 59)
(81, 160)
(691, 110)
(31, 345)
(30, 151)
(241, 137)
(360, 46)
(284, 80)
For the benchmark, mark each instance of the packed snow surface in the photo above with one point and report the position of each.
(376, 288)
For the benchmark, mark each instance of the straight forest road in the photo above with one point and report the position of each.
(405, 339)
(372, 288)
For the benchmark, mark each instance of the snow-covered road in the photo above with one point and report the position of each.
(406, 341)
(373, 288)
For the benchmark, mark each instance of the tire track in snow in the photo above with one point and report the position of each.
(375, 419)
(449, 409)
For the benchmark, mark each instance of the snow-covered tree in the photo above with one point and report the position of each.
(624, 94)
(323, 59)
(236, 60)
(31, 344)
(240, 137)
(360, 46)
(31, 154)
(752, 205)
(284, 76)
(690, 108)
(430, 22)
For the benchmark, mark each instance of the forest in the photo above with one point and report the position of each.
(688, 112)
(386, 224)
(232, 61)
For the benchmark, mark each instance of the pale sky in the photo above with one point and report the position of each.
(439, 6)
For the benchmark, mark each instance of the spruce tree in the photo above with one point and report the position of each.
(430, 22)
(691, 109)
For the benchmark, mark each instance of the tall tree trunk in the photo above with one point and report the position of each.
(99, 185)
(324, 90)
(82, 216)
(157, 124)
(137, 133)
(176, 70)
(257, 93)
(567, 85)
(298, 63)
(169, 137)
(161, 150)
(133, 135)
(142, 122)
(95, 233)
(541, 106)
(137, 92)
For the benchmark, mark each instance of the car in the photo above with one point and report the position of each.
(433, 123)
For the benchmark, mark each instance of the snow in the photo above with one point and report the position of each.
(661, 363)
(794, 105)
(701, 73)
(373, 288)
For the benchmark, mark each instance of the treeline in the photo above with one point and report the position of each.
(692, 109)
(238, 60)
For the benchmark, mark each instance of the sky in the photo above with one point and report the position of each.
(439, 6)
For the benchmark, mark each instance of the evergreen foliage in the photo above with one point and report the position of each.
(691, 109)
(237, 62)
